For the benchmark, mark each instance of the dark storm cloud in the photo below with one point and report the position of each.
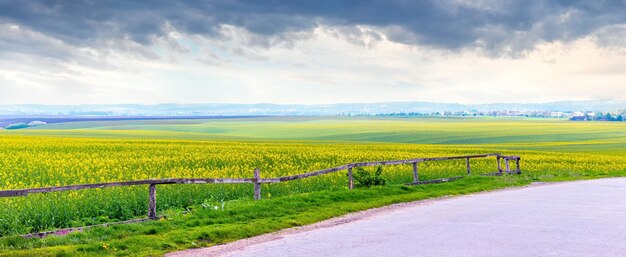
(494, 26)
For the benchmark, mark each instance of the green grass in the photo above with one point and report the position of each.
(517, 133)
(243, 218)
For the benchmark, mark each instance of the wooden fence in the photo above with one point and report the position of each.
(257, 180)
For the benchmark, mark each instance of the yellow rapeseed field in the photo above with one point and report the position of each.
(39, 161)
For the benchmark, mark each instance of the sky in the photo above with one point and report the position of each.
(311, 52)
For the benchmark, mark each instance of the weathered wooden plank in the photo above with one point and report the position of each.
(380, 163)
(416, 177)
(376, 163)
(397, 162)
(269, 180)
(22, 192)
(460, 157)
(315, 173)
(467, 164)
(257, 185)
(517, 165)
(152, 202)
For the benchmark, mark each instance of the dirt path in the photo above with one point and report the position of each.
(583, 218)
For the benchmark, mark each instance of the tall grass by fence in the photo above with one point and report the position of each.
(257, 180)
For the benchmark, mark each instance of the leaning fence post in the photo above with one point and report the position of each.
(416, 177)
(152, 203)
(499, 165)
(257, 185)
(467, 163)
(350, 178)
(517, 165)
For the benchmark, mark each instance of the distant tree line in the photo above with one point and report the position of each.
(467, 114)
(599, 116)
(574, 116)
(405, 114)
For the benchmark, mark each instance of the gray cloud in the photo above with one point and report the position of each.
(503, 27)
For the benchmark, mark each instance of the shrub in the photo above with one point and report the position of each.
(364, 178)
(17, 126)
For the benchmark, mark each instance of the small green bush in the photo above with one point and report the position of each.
(364, 178)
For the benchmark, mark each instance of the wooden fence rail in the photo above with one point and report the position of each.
(257, 180)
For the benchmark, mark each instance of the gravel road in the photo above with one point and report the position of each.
(583, 218)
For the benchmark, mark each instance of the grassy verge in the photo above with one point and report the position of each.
(206, 226)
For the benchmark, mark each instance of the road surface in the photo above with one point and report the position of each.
(584, 218)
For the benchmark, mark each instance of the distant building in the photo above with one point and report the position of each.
(558, 114)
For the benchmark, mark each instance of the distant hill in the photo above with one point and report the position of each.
(298, 109)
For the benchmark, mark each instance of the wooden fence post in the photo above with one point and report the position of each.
(517, 165)
(152, 203)
(508, 167)
(467, 163)
(350, 178)
(499, 165)
(257, 185)
(416, 177)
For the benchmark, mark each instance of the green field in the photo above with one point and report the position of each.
(506, 132)
(91, 152)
